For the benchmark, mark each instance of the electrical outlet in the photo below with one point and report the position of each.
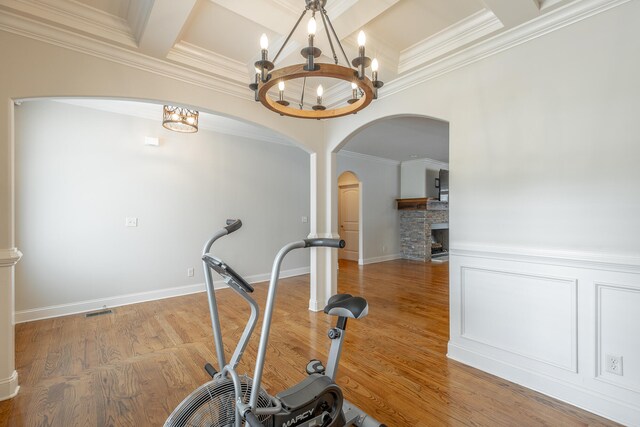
(305, 219)
(131, 221)
(613, 364)
(190, 272)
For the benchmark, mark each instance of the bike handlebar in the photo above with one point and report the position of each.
(233, 225)
(328, 243)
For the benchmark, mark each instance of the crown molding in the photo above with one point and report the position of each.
(429, 162)
(77, 15)
(466, 31)
(367, 157)
(50, 34)
(197, 57)
(9, 257)
(554, 20)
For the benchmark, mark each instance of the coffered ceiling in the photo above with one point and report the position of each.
(218, 40)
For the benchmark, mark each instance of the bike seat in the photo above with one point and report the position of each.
(346, 305)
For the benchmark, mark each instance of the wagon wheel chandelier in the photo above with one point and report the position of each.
(363, 89)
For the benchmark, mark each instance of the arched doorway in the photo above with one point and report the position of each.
(349, 216)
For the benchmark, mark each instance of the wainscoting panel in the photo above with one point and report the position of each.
(618, 329)
(533, 316)
(551, 321)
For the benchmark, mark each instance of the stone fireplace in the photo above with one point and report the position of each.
(424, 228)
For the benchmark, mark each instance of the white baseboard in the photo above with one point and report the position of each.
(314, 305)
(9, 387)
(588, 400)
(120, 300)
(383, 258)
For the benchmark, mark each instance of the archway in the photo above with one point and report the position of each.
(70, 73)
(395, 157)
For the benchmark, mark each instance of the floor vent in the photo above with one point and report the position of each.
(98, 313)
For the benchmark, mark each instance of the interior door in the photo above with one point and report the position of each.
(349, 220)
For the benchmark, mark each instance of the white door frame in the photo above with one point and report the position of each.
(360, 215)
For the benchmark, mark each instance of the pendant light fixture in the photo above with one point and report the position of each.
(180, 119)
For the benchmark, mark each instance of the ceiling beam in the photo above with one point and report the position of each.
(514, 12)
(358, 15)
(164, 25)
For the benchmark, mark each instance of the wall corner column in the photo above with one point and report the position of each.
(324, 261)
(9, 255)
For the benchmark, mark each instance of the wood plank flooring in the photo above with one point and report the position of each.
(132, 367)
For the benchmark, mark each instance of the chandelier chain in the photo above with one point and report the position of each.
(304, 85)
(304, 12)
(324, 12)
(324, 22)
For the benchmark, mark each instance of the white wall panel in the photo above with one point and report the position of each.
(618, 329)
(548, 323)
(533, 316)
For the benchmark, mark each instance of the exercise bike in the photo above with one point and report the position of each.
(233, 400)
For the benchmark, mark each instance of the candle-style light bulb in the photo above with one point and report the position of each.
(281, 86)
(362, 39)
(264, 42)
(320, 91)
(312, 26)
(354, 86)
(374, 70)
(361, 60)
(354, 91)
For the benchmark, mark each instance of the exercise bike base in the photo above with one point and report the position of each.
(355, 416)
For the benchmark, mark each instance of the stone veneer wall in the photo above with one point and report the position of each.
(415, 230)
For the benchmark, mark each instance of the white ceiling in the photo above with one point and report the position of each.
(218, 40)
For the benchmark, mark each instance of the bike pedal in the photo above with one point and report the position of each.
(315, 367)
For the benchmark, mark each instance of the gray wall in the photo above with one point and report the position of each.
(80, 172)
(418, 178)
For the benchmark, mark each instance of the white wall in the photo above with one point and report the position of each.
(80, 172)
(417, 178)
(380, 188)
(544, 207)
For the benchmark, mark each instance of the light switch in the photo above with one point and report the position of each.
(131, 221)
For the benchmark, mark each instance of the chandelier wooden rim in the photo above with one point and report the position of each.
(323, 70)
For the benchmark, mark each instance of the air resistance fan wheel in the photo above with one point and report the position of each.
(213, 404)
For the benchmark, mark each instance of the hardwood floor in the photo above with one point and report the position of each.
(132, 367)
